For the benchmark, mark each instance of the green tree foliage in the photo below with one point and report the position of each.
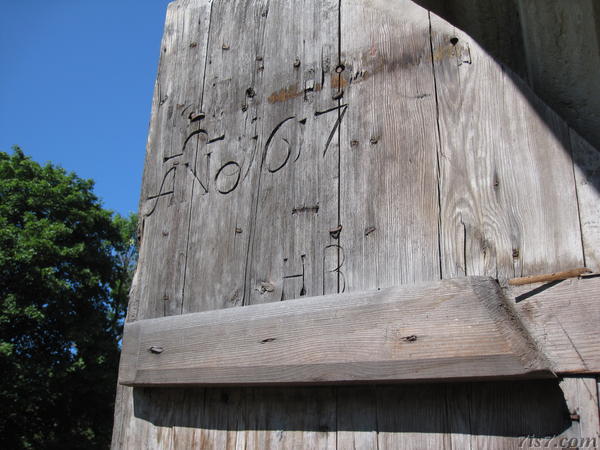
(65, 271)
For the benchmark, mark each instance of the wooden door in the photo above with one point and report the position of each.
(302, 148)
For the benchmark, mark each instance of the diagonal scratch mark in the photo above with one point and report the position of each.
(572, 343)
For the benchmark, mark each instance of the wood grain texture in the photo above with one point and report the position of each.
(587, 174)
(563, 317)
(388, 171)
(296, 192)
(581, 396)
(455, 329)
(295, 203)
(377, 225)
(228, 158)
(389, 204)
(167, 188)
(508, 199)
(157, 288)
(507, 195)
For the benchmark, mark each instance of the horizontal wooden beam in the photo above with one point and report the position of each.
(460, 329)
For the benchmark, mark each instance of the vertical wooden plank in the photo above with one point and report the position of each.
(388, 189)
(412, 417)
(587, 175)
(167, 190)
(225, 146)
(507, 197)
(164, 205)
(227, 160)
(507, 194)
(562, 46)
(357, 417)
(389, 202)
(504, 414)
(581, 395)
(295, 204)
(219, 419)
(282, 418)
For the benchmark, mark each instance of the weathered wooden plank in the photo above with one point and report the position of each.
(223, 161)
(357, 426)
(507, 194)
(389, 203)
(295, 203)
(167, 190)
(453, 329)
(388, 180)
(164, 205)
(413, 417)
(282, 418)
(227, 158)
(587, 174)
(581, 396)
(562, 46)
(182, 418)
(563, 319)
(508, 204)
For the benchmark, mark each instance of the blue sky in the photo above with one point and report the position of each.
(76, 85)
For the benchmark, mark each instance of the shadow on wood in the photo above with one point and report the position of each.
(539, 42)
(513, 409)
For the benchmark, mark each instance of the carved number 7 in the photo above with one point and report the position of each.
(342, 110)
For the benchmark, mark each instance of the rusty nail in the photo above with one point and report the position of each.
(575, 417)
(156, 350)
(411, 338)
(238, 230)
(374, 140)
(193, 44)
(225, 46)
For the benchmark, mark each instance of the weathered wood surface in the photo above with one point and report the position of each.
(506, 181)
(581, 396)
(587, 175)
(508, 200)
(563, 318)
(480, 156)
(157, 288)
(456, 329)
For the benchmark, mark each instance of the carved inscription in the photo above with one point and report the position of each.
(194, 158)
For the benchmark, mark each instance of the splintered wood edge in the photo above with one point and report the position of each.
(461, 329)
